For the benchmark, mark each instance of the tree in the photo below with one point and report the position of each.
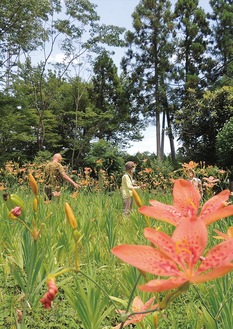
(76, 119)
(105, 156)
(191, 40)
(17, 138)
(222, 43)
(224, 145)
(66, 24)
(115, 122)
(146, 64)
(21, 30)
(199, 122)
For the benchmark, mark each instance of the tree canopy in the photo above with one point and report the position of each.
(176, 73)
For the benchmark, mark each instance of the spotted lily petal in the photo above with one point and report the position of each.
(186, 197)
(216, 208)
(186, 200)
(147, 259)
(139, 306)
(218, 256)
(163, 242)
(214, 274)
(161, 211)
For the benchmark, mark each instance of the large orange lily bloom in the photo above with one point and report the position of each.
(138, 306)
(179, 258)
(186, 203)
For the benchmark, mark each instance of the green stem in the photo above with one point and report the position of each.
(29, 282)
(76, 256)
(24, 224)
(130, 298)
(173, 295)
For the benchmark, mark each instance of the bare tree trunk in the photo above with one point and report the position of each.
(163, 133)
(171, 137)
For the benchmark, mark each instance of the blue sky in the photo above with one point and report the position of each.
(118, 12)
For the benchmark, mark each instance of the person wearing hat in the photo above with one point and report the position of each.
(127, 185)
(54, 176)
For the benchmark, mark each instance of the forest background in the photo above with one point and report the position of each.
(176, 73)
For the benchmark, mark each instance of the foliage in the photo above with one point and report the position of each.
(21, 30)
(192, 29)
(222, 29)
(199, 122)
(224, 145)
(106, 162)
(110, 101)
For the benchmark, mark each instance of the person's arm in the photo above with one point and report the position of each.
(130, 185)
(68, 179)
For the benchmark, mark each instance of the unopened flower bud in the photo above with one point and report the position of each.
(70, 216)
(14, 213)
(33, 184)
(35, 204)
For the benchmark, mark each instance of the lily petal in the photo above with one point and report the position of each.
(186, 201)
(147, 259)
(215, 208)
(185, 193)
(163, 242)
(138, 306)
(215, 274)
(163, 285)
(213, 216)
(216, 202)
(218, 256)
(161, 211)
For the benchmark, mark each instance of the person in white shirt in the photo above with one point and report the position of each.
(195, 181)
(127, 185)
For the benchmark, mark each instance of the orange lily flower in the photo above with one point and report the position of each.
(190, 165)
(137, 306)
(179, 257)
(186, 203)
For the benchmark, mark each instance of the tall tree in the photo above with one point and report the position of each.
(222, 43)
(115, 121)
(191, 41)
(147, 61)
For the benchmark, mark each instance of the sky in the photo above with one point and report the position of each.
(118, 12)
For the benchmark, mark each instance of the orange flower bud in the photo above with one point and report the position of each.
(137, 198)
(70, 216)
(35, 204)
(33, 184)
(156, 321)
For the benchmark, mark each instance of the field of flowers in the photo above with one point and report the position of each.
(76, 263)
